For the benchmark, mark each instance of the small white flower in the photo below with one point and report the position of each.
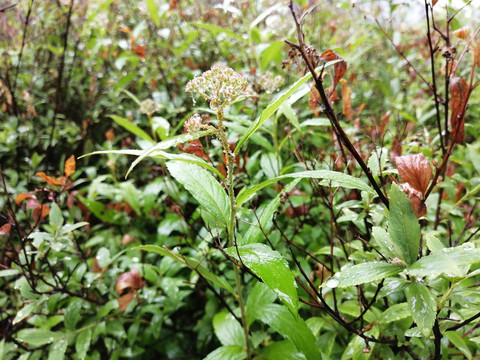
(194, 123)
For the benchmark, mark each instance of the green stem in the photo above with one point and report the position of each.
(229, 164)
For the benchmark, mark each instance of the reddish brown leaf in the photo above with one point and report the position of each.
(476, 53)
(384, 122)
(21, 197)
(70, 166)
(110, 134)
(127, 239)
(40, 212)
(346, 100)
(5, 229)
(294, 212)
(96, 267)
(434, 2)
(124, 301)
(340, 68)
(460, 92)
(415, 199)
(314, 100)
(414, 170)
(195, 147)
(130, 281)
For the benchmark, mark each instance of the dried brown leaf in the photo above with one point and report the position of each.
(462, 33)
(297, 211)
(414, 170)
(346, 100)
(416, 199)
(5, 229)
(124, 301)
(340, 68)
(195, 147)
(130, 281)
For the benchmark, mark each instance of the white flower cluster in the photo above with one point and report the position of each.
(220, 86)
(149, 107)
(194, 123)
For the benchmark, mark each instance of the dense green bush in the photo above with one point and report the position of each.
(265, 180)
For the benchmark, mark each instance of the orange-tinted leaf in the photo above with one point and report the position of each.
(5, 229)
(460, 92)
(384, 122)
(462, 33)
(124, 301)
(346, 100)
(40, 212)
(314, 100)
(130, 281)
(414, 170)
(434, 2)
(69, 166)
(21, 197)
(125, 30)
(49, 179)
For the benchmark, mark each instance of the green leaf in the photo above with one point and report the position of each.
(180, 139)
(422, 306)
(73, 313)
(153, 11)
(270, 110)
(191, 263)
(254, 233)
(57, 349)
(281, 350)
(26, 311)
(434, 265)
(457, 340)
(338, 178)
(387, 246)
(82, 343)
(131, 127)
(55, 216)
(403, 226)
(272, 268)
(229, 352)
(394, 313)
(37, 337)
(9, 272)
(203, 187)
(258, 297)
(272, 53)
(294, 329)
(363, 273)
(228, 330)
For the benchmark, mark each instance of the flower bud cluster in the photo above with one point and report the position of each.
(149, 107)
(220, 86)
(269, 82)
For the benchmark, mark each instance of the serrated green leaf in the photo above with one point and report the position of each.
(394, 313)
(294, 329)
(422, 306)
(338, 179)
(272, 268)
(270, 110)
(229, 352)
(457, 340)
(191, 263)
(363, 273)
(228, 330)
(37, 337)
(82, 343)
(131, 127)
(203, 187)
(403, 225)
(254, 233)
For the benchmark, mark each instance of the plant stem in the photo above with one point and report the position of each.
(229, 164)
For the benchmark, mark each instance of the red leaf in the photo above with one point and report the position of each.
(460, 92)
(415, 170)
(195, 147)
(340, 68)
